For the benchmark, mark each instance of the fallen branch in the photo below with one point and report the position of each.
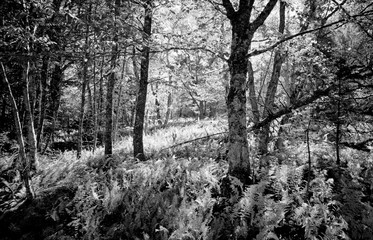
(193, 140)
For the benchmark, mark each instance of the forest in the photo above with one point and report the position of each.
(186, 119)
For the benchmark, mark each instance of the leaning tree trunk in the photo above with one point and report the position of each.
(138, 145)
(25, 161)
(271, 90)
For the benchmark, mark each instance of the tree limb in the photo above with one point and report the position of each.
(263, 15)
(260, 51)
(229, 8)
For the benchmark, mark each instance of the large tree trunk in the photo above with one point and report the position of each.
(138, 146)
(242, 34)
(25, 161)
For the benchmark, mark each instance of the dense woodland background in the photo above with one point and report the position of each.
(185, 119)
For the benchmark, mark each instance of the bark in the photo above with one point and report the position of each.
(168, 111)
(25, 162)
(110, 89)
(31, 137)
(82, 103)
(272, 89)
(43, 101)
(82, 112)
(242, 34)
(117, 115)
(252, 94)
(55, 97)
(138, 146)
(94, 106)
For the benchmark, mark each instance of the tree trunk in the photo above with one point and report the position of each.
(110, 88)
(252, 94)
(272, 89)
(242, 34)
(94, 106)
(168, 111)
(25, 161)
(138, 146)
(31, 137)
(84, 84)
(43, 101)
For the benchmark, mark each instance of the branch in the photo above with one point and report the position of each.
(317, 95)
(361, 146)
(191, 49)
(193, 140)
(263, 15)
(260, 51)
(229, 8)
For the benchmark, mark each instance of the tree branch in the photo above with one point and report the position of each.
(361, 146)
(263, 15)
(229, 8)
(260, 51)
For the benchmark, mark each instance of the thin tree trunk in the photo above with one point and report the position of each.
(31, 137)
(117, 116)
(110, 89)
(119, 101)
(138, 146)
(84, 84)
(252, 94)
(272, 89)
(43, 102)
(95, 103)
(168, 111)
(25, 161)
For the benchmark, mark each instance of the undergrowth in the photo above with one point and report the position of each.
(176, 193)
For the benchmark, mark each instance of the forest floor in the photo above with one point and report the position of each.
(175, 194)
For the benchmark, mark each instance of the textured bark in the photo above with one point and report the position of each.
(138, 146)
(25, 162)
(242, 34)
(272, 88)
(110, 88)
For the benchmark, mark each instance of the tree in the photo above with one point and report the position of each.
(272, 87)
(242, 34)
(111, 85)
(25, 167)
(138, 146)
